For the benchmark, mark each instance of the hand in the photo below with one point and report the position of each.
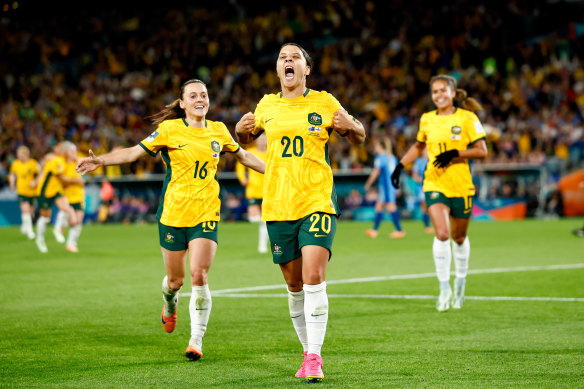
(396, 174)
(89, 164)
(444, 158)
(342, 120)
(246, 124)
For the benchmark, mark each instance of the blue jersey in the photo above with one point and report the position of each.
(420, 168)
(386, 165)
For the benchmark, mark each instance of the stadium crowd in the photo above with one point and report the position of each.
(94, 79)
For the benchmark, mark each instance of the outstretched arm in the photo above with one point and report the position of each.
(118, 157)
(343, 122)
(250, 160)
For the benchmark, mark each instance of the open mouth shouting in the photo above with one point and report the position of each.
(288, 72)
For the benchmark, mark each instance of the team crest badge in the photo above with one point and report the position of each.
(215, 146)
(276, 249)
(456, 130)
(314, 118)
(169, 238)
(434, 195)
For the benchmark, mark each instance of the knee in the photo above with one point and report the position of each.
(442, 234)
(459, 239)
(175, 283)
(313, 277)
(199, 276)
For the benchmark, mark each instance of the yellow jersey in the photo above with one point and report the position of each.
(255, 180)
(50, 185)
(298, 179)
(25, 173)
(190, 193)
(75, 193)
(442, 133)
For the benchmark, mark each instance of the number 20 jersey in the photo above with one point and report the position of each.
(298, 179)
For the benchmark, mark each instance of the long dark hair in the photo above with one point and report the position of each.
(461, 96)
(173, 109)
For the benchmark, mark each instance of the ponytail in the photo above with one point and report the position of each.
(461, 96)
(173, 109)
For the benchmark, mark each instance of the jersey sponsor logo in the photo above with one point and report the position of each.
(314, 118)
(314, 131)
(276, 250)
(456, 130)
(169, 238)
(152, 136)
(215, 146)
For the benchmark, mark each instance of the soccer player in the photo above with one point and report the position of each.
(22, 176)
(50, 191)
(189, 210)
(418, 170)
(75, 193)
(383, 165)
(299, 201)
(254, 187)
(453, 135)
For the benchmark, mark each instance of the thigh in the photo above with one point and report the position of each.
(292, 272)
(174, 263)
(201, 254)
(315, 260)
(440, 217)
(459, 229)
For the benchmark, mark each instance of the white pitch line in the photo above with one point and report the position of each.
(407, 277)
(405, 297)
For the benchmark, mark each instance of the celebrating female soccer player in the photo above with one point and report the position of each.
(22, 179)
(299, 201)
(453, 136)
(383, 165)
(189, 209)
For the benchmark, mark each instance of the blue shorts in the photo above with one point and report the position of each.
(387, 194)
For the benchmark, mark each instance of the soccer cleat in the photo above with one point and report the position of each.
(30, 234)
(41, 245)
(71, 248)
(372, 233)
(301, 372)
(313, 368)
(458, 295)
(193, 353)
(59, 235)
(397, 234)
(443, 303)
(169, 322)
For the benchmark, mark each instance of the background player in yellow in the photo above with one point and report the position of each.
(299, 201)
(50, 191)
(22, 176)
(189, 209)
(75, 192)
(254, 187)
(452, 136)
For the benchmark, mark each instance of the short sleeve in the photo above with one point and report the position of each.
(377, 162)
(156, 141)
(260, 117)
(422, 135)
(13, 167)
(475, 128)
(229, 144)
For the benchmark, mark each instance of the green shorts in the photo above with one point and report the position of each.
(26, 199)
(78, 206)
(288, 237)
(45, 203)
(460, 207)
(254, 201)
(178, 238)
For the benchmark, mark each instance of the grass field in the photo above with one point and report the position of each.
(92, 319)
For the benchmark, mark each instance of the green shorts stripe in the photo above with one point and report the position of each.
(460, 207)
(288, 237)
(178, 238)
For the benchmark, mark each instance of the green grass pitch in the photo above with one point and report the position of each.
(92, 319)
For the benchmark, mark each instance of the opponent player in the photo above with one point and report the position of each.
(189, 209)
(453, 136)
(299, 201)
(383, 165)
(418, 170)
(254, 186)
(22, 176)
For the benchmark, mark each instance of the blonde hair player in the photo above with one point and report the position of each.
(23, 172)
(189, 209)
(299, 203)
(254, 187)
(453, 136)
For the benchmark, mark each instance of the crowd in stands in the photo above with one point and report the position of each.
(95, 78)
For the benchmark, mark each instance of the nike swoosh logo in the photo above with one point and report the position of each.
(318, 314)
(163, 322)
(319, 236)
(294, 317)
(208, 230)
(201, 309)
(181, 146)
(267, 120)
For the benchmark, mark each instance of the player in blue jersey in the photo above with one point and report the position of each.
(383, 165)
(418, 170)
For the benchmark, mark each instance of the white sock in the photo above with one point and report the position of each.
(461, 254)
(61, 221)
(296, 307)
(263, 240)
(442, 258)
(255, 219)
(73, 236)
(200, 309)
(42, 227)
(169, 298)
(27, 222)
(315, 315)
